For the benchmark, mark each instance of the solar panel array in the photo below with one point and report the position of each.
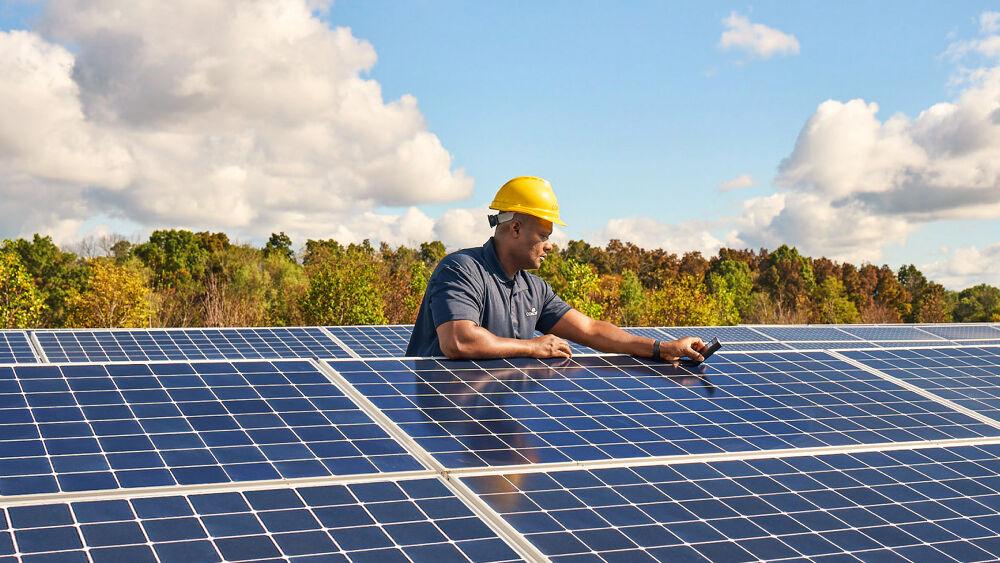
(188, 344)
(15, 348)
(793, 443)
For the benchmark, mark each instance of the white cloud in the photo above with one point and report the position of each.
(248, 116)
(648, 232)
(854, 183)
(967, 267)
(737, 183)
(986, 45)
(756, 39)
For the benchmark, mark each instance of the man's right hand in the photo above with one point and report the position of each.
(549, 346)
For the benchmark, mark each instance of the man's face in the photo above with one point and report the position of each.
(535, 241)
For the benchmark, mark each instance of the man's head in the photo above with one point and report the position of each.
(524, 240)
(528, 209)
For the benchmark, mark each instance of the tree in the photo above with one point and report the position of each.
(56, 275)
(832, 304)
(682, 301)
(934, 305)
(177, 258)
(280, 245)
(915, 283)
(432, 252)
(21, 303)
(115, 296)
(236, 287)
(633, 299)
(788, 277)
(979, 303)
(736, 276)
(344, 289)
(576, 283)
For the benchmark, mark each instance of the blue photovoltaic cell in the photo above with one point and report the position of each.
(88, 427)
(910, 505)
(753, 346)
(188, 344)
(910, 343)
(726, 334)
(805, 333)
(504, 412)
(969, 376)
(15, 348)
(888, 332)
(830, 345)
(962, 332)
(381, 522)
(374, 341)
(657, 333)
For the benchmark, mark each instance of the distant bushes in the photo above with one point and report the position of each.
(185, 278)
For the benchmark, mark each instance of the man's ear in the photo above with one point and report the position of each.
(515, 228)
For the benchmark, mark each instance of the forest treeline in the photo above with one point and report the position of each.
(189, 279)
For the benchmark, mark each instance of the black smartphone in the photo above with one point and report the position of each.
(713, 346)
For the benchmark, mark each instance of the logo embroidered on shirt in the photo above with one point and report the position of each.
(531, 313)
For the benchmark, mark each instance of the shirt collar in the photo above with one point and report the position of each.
(494, 266)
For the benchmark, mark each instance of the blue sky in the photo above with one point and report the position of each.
(636, 107)
(633, 110)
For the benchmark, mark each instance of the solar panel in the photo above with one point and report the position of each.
(909, 505)
(754, 346)
(523, 411)
(962, 332)
(388, 341)
(804, 333)
(89, 427)
(888, 332)
(726, 334)
(969, 376)
(15, 348)
(188, 344)
(418, 520)
(650, 332)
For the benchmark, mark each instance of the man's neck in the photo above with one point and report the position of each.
(507, 261)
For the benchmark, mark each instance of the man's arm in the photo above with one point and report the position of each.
(607, 337)
(464, 339)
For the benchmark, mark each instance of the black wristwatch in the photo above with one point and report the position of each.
(656, 350)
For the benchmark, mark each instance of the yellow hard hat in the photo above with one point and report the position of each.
(528, 195)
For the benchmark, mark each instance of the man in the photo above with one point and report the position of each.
(481, 303)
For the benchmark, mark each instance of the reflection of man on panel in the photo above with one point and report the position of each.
(481, 303)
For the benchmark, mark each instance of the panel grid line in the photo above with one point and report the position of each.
(513, 537)
(340, 343)
(37, 347)
(916, 389)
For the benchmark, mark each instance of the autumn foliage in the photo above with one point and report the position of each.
(188, 279)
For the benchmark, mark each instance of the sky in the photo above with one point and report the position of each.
(857, 131)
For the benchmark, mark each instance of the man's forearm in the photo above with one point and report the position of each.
(606, 337)
(481, 343)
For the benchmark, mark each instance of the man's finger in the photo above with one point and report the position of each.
(690, 352)
(564, 345)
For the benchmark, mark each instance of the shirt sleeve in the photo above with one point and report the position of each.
(456, 294)
(553, 308)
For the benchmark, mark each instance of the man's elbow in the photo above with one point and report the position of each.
(455, 349)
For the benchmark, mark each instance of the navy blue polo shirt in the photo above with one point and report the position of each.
(471, 285)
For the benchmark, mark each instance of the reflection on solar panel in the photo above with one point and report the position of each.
(962, 332)
(969, 376)
(15, 349)
(188, 344)
(388, 341)
(907, 505)
(650, 332)
(754, 346)
(87, 427)
(726, 334)
(805, 333)
(419, 520)
(888, 332)
(495, 413)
